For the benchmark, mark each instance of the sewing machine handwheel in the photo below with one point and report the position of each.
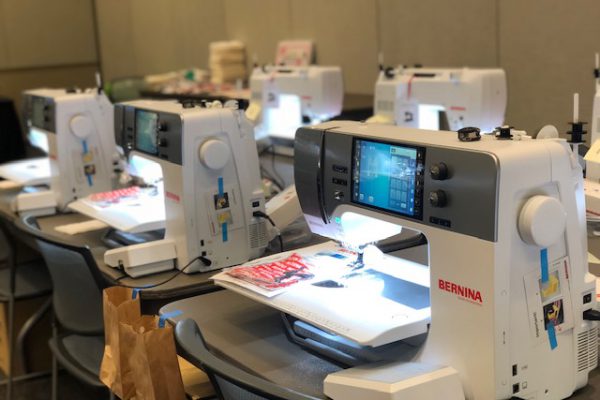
(214, 154)
(542, 221)
(81, 126)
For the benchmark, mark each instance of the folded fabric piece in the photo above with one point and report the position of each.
(81, 227)
(227, 58)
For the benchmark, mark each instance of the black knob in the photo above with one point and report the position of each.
(162, 126)
(438, 198)
(162, 142)
(187, 104)
(438, 171)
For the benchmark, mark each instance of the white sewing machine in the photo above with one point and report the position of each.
(509, 289)
(285, 98)
(441, 98)
(78, 126)
(212, 186)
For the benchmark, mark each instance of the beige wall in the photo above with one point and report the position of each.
(545, 46)
(139, 37)
(46, 43)
(13, 82)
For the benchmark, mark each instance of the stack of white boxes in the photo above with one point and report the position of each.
(227, 61)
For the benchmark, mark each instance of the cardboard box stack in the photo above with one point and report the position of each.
(227, 61)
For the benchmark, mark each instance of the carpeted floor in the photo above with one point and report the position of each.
(69, 388)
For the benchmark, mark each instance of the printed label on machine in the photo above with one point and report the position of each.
(223, 209)
(549, 302)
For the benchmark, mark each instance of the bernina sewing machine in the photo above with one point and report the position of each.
(441, 98)
(285, 98)
(508, 292)
(78, 126)
(212, 187)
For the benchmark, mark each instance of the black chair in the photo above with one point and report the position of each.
(77, 342)
(21, 279)
(11, 134)
(229, 381)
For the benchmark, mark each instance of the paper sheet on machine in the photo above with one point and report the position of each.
(132, 209)
(29, 172)
(386, 301)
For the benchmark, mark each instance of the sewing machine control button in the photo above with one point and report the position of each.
(214, 154)
(162, 142)
(438, 198)
(587, 298)
(338, 195)
(162, 126)
(438, 171)
(339, 181)
(340, 168)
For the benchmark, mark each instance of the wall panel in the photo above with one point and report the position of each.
(260, 24)
(547, 48)
(44, 33)
(345, 33)
(438, 33)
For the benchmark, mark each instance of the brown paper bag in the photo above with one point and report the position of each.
(154, 360)
(115, 372)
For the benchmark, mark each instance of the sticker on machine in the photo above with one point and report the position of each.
(223, 207)
(549, 302)
(270, 94)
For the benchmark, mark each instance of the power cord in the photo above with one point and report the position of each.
(274, 176)
(203, 259)
(260, 214)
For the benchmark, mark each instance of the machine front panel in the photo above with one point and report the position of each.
(41, 112)
(460, 198)
(157, 134)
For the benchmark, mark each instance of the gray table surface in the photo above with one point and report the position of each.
(253, 335)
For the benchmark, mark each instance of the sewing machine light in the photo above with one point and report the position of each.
(38, 138)
(144, 168)
(358, 230)
(429, 116)
(284, 118)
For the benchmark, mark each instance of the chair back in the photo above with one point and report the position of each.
(77, 283)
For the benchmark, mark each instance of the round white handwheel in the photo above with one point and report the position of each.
(214, 154)
(81, 126)
(542, 221)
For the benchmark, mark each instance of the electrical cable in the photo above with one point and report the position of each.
(204, 260)
(261, 214)
(273, 175)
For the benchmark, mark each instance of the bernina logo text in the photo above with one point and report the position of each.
(462, 292)
(172, 196)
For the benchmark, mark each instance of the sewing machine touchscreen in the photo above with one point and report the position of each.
(37, 112)
(146, 132)
(388, 177)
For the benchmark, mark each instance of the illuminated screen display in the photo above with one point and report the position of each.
(146, 132)
(388, 177)
(37, 112)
